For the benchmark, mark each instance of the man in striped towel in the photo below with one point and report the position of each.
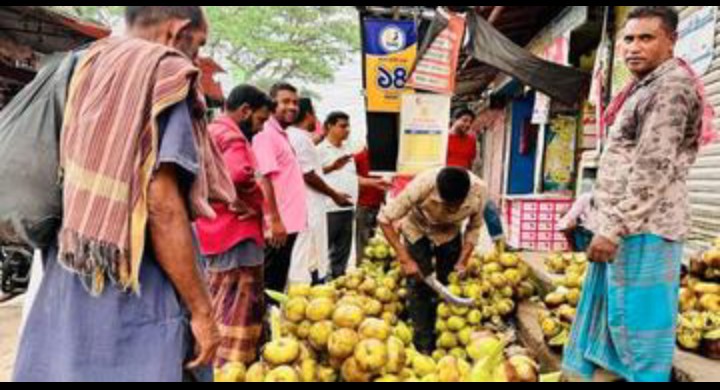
(122, 298)
(627, 316)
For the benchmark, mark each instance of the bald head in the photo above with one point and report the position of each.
(143, 16)
(183, 28)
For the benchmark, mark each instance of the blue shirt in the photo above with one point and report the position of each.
(71, 336)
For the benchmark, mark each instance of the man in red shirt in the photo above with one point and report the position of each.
(233, 243)
(462, 148)
(372, 196)
(462, 152)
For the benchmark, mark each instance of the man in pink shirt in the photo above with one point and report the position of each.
(233, 243)
(283, 184)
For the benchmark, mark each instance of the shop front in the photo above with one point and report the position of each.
(547, 137)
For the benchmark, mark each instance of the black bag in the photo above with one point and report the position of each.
(30, 189)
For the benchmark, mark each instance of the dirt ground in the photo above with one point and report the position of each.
(10, 317)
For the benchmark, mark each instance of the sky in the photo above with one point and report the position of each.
(345, 94)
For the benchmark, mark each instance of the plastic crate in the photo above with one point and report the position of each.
(532, 222)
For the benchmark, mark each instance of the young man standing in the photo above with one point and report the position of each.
(462, 153)
(310, 259)
(283, 185)
(341, 173)
(462, 147)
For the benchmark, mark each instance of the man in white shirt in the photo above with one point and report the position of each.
(310, 258)
(341, 173)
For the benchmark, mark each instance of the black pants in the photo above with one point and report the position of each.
(340, 239)
(277, 265)
(423, 301)
(366, 224)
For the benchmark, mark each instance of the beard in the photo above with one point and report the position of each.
(247, 128)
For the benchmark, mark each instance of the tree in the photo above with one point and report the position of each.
(305, 44)
(107, 15)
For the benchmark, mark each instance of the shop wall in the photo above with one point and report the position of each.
(704, 181)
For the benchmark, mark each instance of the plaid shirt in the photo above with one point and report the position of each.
(422, 213)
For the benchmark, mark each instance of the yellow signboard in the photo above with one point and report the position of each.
(424, 132)
(390, 53)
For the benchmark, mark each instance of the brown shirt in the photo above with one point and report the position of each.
(641, 186)
(422, 213)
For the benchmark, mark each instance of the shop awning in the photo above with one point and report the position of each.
(47, 31)
(500, 33)
(490, 47)
(213, 90)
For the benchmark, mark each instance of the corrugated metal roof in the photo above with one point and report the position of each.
(704, 178)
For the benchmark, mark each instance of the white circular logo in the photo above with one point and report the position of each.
(392, 39)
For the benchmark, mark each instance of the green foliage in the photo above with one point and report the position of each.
(265, 43)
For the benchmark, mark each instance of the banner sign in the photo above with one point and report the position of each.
(437, 69)
(390, 49)
(424, 132)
